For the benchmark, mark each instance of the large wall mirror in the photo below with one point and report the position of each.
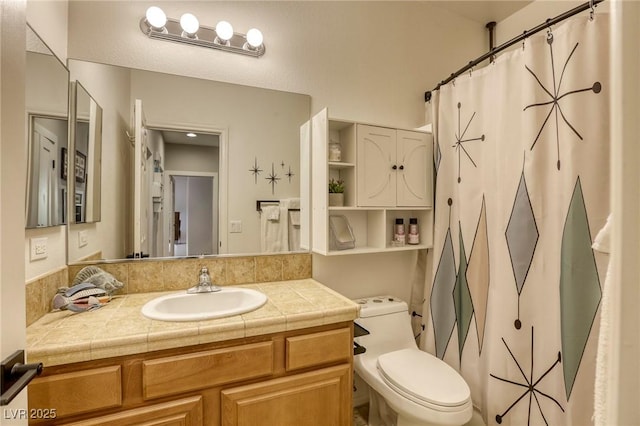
(47, 121)
(188, 164)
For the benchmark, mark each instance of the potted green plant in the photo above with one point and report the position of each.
(336, 192)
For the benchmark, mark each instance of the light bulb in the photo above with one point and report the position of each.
(156, 17)
(189, 24)
(254, 38)
(224, 30)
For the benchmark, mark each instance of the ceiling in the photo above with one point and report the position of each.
(182, 138)
(483, 11)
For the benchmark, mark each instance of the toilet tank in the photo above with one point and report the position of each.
(388, 322)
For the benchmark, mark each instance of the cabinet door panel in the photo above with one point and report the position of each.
(376, 156)
(318, 398)
(414, 170)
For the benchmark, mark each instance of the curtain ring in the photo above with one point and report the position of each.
(592, 11)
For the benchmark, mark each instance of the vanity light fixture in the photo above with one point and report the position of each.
(188, 30)
(224, 32)
(191, 135)
(190, 25)
(156, 18)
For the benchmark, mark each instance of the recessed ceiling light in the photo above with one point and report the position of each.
(191, 135)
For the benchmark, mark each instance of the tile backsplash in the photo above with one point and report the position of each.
(172, 274)
(40, 292)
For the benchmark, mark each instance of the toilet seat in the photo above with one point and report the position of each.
(424, 379)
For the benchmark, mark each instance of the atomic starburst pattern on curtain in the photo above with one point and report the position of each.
(556, 96)
(460, 141)
(531, 386)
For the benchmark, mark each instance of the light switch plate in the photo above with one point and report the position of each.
(236, 226)
(38, 247)
(83, 239)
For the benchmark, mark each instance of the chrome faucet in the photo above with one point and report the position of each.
(204, 283)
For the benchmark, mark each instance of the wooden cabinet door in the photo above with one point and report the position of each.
(376, 159)
(181, 412)
(317, 398)
(414, 169)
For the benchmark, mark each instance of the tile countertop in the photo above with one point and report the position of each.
(119, 328)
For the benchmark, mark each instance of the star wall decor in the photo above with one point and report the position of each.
(255, 170)
(273, 179)
(290, 174)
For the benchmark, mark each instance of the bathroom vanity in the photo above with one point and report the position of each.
(288, 362)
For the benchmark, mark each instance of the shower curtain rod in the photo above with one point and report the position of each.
(551, 21)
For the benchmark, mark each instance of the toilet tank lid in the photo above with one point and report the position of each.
(380, 305)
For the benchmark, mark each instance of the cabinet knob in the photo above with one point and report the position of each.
(401, 167)
(394, 167)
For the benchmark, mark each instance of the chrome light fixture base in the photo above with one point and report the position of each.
(206, 37)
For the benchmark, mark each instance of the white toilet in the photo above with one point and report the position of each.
(419, 388)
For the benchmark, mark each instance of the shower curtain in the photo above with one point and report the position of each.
(522, 163)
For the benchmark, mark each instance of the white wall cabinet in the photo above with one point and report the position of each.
(393, 167)
(387, 174)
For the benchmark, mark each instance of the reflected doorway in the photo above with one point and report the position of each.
(192, 214)
(183, 199)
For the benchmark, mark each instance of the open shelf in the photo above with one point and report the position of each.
(372, 222)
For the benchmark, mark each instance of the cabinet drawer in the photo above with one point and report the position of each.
(183, 373)
(181, 412)
(77, 392)
(318, 348)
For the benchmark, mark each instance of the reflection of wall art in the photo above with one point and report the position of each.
(255, 170)
(64, 160)
(273, 179)
(78, 207)
(81, 164)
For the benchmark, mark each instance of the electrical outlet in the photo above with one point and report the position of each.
(38, 247)
(83, 239)
(236, 226)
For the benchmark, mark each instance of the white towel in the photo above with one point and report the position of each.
(273, 233)
(290, 203)
(294, 230)
(294, 218)
(272, 212)
(602, 243)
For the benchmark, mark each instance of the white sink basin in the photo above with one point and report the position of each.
(201, 306)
